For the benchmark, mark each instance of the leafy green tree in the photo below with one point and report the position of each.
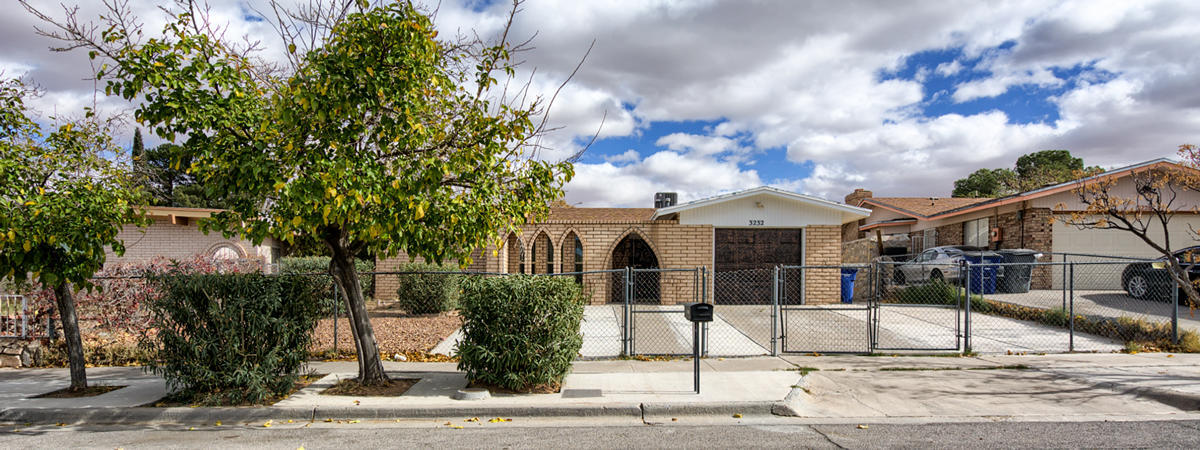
(1032, 171)
(64, 200)
(379, 137)
(1047, 167)
(162, 172)
(986, 183)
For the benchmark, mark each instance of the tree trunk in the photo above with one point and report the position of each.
(370, 366)
(70, 326)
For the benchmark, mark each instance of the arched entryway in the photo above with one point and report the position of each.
(633, 251)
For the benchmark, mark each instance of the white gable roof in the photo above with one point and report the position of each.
(798, 209)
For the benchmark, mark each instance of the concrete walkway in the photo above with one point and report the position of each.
(850, 388)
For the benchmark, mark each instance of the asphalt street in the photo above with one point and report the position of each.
(747, 434)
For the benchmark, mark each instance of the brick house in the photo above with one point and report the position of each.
(751, 229)
(1023, 220)
(175, 233)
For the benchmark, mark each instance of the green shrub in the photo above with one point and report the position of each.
(429, 292)
(520, 332)
(935, 293)
(320, 265)
(233, 338)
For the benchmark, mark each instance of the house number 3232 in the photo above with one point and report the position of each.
(757, 222)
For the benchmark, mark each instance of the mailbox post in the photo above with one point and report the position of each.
(697, 313)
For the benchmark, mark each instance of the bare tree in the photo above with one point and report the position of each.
(1155, 199)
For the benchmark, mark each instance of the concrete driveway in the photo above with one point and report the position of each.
(745, 330)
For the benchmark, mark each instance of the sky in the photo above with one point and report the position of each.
(705, 97)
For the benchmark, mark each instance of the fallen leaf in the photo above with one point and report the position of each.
(267, 424)
(449, 424)
(61, 424)
(862, 427)
(289, 420)
(328, 420)
(218, 423)
(674, 419)
(1170, 356)
(473, 419)
(737, 416)
(356, 402)
(353, 421)
(191, 428)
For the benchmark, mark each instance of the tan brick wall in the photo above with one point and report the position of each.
(822, 247)
(386, 285)
(162, 238)
(674, 245)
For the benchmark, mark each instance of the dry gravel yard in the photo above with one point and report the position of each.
(395, 332)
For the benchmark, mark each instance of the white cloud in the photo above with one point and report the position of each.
(803, 77)
(630, 155)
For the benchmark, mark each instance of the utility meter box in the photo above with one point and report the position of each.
(698, 312)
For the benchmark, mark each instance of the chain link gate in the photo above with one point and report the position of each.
(654, 319)
(817, 315)
(920, 307)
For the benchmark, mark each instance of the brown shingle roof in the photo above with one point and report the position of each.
(923, 206)
(610, 215)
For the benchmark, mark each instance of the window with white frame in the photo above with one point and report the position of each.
(975, 232)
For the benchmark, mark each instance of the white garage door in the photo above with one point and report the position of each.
(1071, 239)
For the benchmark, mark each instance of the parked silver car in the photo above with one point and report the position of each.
(937, 264)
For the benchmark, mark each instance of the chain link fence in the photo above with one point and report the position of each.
(1057, 303)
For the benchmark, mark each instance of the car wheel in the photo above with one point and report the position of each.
(1138, 286)
(936, 277)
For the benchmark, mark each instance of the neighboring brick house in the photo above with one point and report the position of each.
(751, 229)
(175, 233)
(1023, 220)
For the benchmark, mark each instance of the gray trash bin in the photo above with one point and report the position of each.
(1016, 278)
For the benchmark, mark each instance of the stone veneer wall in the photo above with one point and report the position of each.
(822, 247)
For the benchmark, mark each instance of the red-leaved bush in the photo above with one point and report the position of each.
(113, 310)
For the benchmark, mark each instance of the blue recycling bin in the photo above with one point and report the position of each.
(848, 276)
(983, 278)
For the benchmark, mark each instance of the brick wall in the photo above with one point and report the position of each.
(674, 245)
(162, 238)
(949, 234)
(822, 247)
(386, 285)
(1037, 234)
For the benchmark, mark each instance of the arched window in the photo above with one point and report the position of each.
(225, 251)
(516, 255)
(578, 250)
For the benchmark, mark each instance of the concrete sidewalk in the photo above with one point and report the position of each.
(831, 388)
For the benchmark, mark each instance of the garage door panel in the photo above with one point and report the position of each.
(1070, 239)
(757, 250)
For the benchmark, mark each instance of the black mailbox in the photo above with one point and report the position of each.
(698, 312)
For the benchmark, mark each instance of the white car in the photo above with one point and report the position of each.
(937, 264)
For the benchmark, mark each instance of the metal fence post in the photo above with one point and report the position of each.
(1175, 311)
(1071, 343)
(967, 316)
(628, 311)
(775, 311)
(1064, 283)
(704, 299)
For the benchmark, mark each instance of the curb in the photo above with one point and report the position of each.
(145, 415)
(708, 408)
